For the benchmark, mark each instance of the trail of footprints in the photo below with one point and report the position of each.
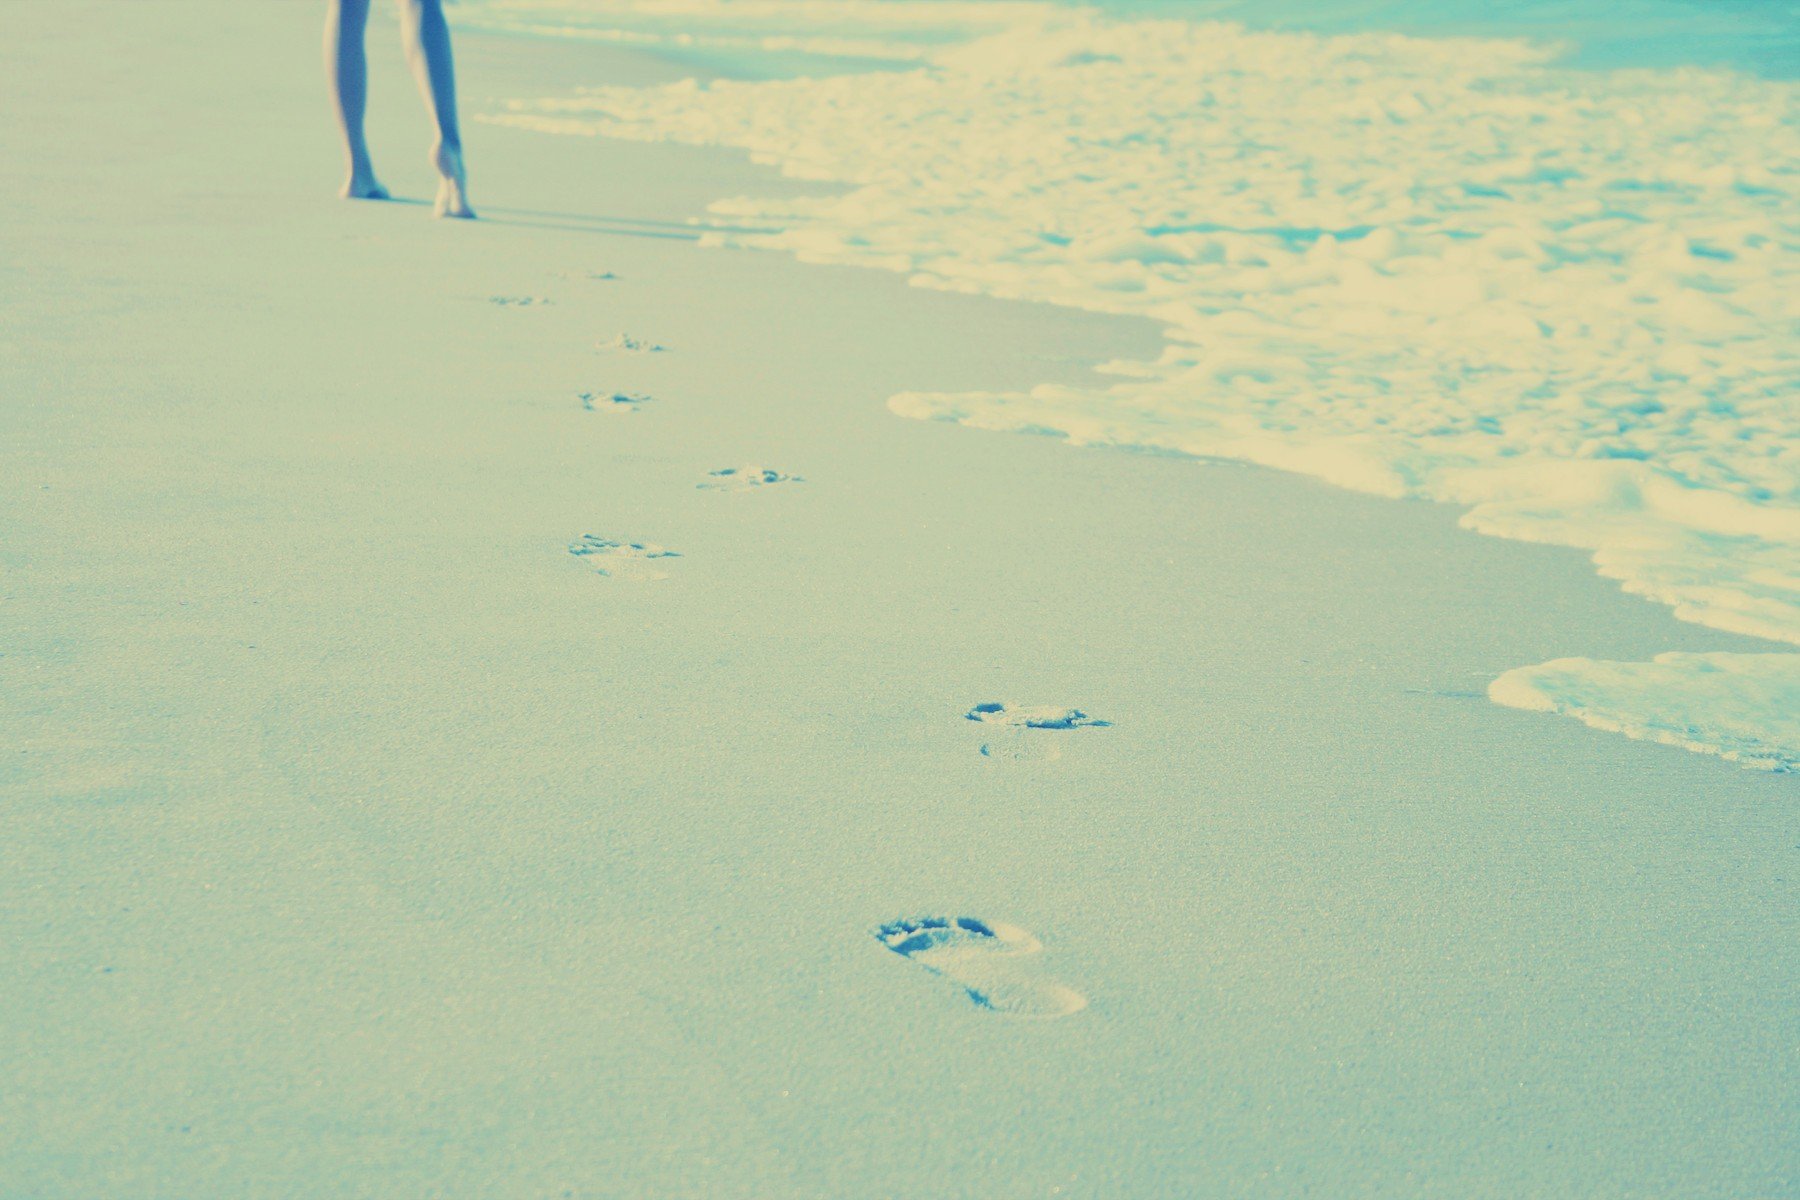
(996, 966)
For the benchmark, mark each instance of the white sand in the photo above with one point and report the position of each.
(361, 840)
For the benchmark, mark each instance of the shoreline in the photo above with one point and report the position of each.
(1402, 330)
(367, 842)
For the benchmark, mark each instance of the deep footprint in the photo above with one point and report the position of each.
(742, 479)
(622, 560)
(632, 345)
(993, 963)
(1018, 730)
(1040, 716)
(612, 402)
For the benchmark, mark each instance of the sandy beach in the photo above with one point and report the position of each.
(380, 823)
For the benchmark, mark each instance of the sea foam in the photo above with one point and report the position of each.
(1446, 268)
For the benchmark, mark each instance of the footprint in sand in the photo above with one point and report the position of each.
(1016, 734)
(994, 964)
(1038, 716)
(742, 479)
(632, 345)
(612, 402)
(636, 561)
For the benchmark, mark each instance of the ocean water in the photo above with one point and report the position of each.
(1551, 276)
(1760, 37)
(1757, 36)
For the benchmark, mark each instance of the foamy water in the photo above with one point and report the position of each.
(1446, 268)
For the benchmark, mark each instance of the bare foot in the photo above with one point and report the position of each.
(452, 196)
(362, 185)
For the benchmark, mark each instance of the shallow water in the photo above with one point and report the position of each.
(1760, 37)
(1757, 36)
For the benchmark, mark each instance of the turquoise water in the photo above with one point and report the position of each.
(1761, 37)
(1757, 37)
